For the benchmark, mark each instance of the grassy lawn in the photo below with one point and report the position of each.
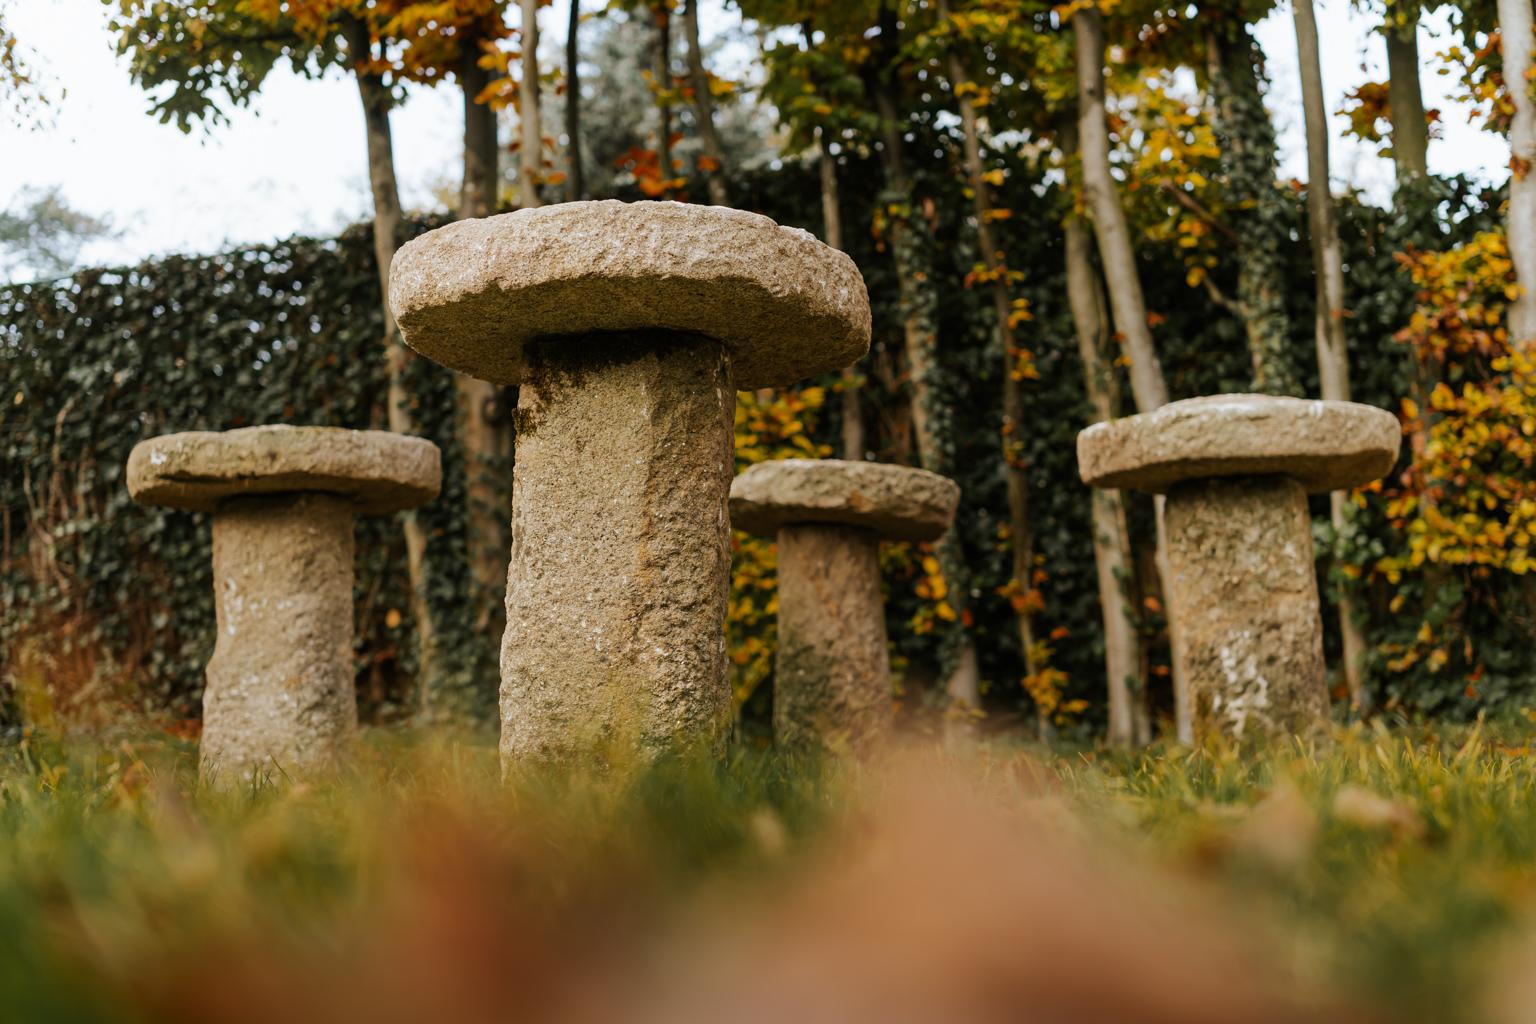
(1388, 871)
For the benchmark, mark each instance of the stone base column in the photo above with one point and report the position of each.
(280, 700)
(831, 680)
(617, 584)
(1243, 583)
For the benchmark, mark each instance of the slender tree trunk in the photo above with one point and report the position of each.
(1515, 30)
(531, 147)
(704, 108)
(386, 229)
(477, 195)
(853, 442)
(1328, 266)
(1109, 224)
(1124, 666)
(1247, 139)
(484, 429)
(663, 75)
(576, 182)
(1410, 127)
(1118, 257)
(1015, 462)
(918, 304)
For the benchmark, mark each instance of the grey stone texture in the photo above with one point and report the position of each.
(279, 702)
(1324, 446)
(832, 676)
(1242, 586)
(473, 294)
(616, 591)
(375, 470)
(1243, 583)
(280, 699)
(832, 679)
(897, 502)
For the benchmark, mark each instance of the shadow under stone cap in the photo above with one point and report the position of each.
(1324, 446)
(472, 294)
(379, 471)
(897, 502)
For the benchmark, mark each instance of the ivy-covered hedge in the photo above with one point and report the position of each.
(97, 590)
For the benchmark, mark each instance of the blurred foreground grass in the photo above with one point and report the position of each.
(1391, 869)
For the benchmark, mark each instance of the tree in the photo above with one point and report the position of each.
(701, 92)
(531, 149)
(1260, 220)
(575, 177)
(1118, 257)
(1405, 98)
(1328, 265)
(207, 55)
(41, 234)
(994, 272)
(1515, 35)
(1125, 678)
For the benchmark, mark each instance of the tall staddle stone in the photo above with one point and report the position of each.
(1241, 584)
(832, 677)
(629, 327)
(280, 701)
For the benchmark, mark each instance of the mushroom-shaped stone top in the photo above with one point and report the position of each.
(473, 294)
(377, 470)
(1325, 446)
(894, 501)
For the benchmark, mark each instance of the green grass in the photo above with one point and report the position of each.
(1394, 867)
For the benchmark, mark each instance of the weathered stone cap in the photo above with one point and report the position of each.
(1326, 446)
(379, 471)
(895, 501)
(471, 295)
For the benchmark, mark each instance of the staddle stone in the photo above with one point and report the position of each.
(832, 680)
(1241, 586)
(280, 701)
(629, 327)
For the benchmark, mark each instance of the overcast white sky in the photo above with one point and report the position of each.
(294, 161)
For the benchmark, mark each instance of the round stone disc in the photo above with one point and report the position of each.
(378, 470)
(1325, 446)
(473, 294)
(897, 502)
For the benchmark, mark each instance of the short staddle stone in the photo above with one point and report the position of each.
(472, 295)
(1243, 584)
(280, 700)
(896, 502)
(616, 591)
(832, 679)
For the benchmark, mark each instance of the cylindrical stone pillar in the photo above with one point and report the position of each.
(832, 673)
(279, 702)
(280, 694)
(832, 676)
(628, 326)
(620, 548)
(1242, 588)
(1259, 648)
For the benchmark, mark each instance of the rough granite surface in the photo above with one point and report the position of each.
(1244, 588)
(617, 583)
(280, 700)
(376, 471)
(832, 679)
(1326, 446)
(473, 294)
(897, 502)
